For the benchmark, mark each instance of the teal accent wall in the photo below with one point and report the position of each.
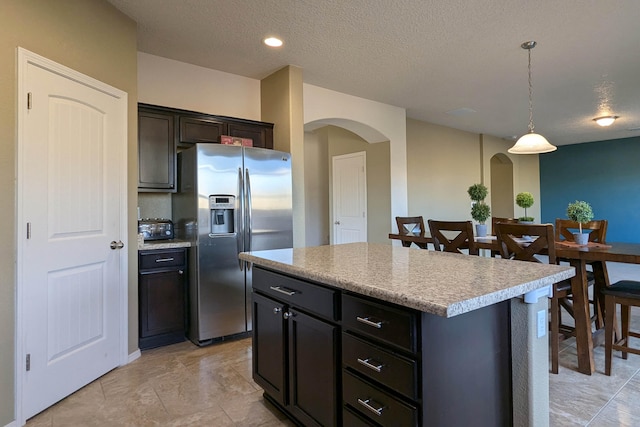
(605, 173)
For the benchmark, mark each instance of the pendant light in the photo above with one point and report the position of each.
(531, 143)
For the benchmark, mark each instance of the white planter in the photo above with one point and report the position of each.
(581, 238)
(481, 230)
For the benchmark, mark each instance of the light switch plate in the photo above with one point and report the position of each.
(542, 323)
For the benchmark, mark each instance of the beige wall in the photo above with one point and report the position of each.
(526, 172)
(175, 84)
(316, 179)
(89, 36)
(441, 165)
(281, 104)
(341, 141)
(443, 162)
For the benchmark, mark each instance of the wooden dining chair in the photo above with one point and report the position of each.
(497, 219)
(598, 234)
(407, 225)
(461, 236)
(494, 221)
(529, 242)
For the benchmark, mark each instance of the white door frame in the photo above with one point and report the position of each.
(26, 57)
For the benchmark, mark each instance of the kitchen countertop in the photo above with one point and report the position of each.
(440, 283)
(163, 244)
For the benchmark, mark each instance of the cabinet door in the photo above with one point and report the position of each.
(161, 303)
(156, 151)
(194, 130)
(313, 367)
(261, 135)
(269, 341)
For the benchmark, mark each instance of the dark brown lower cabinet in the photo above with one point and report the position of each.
(295, 356)
(161, 294)
(334, 358)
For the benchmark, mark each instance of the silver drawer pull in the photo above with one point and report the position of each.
(368, 363)
(164, 260)
(366, 321)
(366, 404)
(282, 291)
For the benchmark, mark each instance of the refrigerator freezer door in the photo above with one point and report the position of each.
(268, 223)
(221, 285)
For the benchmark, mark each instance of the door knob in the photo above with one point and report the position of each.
(116, 245)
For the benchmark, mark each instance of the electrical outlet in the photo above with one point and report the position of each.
(542, 323)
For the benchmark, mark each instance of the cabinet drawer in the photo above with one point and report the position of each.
(396, 372)
(351, 419)
(385, 323)
(162, 258)
(304, 295)
(377, 405)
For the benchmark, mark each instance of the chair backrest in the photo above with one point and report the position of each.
(566, 227)
(408, 223)
(496, 219)
(461, 233)
(523, 241)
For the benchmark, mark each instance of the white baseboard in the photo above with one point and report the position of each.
(133, 356)
(12, 424)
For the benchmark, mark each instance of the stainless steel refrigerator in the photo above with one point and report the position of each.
(230, 199)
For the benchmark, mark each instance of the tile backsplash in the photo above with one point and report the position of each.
(155, 205)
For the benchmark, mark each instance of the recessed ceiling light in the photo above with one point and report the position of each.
(273, 42)
(605, 120)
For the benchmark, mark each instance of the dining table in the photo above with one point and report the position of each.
(594, 254)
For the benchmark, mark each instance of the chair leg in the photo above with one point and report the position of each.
(625, 311)
(555, 335)
(610, 319)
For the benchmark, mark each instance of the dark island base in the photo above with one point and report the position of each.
(331, 358)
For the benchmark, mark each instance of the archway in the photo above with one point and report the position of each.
(326, 138)
(501, 186)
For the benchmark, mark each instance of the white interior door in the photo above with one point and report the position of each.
(350, 198)
(72, 205)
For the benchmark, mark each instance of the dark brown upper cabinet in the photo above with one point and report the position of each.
(156, 151)
(162, 131)
(196, 129)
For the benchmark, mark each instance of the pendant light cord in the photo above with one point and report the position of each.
(530, 96)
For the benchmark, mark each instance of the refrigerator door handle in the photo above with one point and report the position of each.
(240, 220)
(248, 209)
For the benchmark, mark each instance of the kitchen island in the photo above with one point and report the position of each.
(372, 334)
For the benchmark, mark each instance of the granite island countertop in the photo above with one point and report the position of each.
(440, 283)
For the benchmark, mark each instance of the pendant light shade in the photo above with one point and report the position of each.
(531, 143)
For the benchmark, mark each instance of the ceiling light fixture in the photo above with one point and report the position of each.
(605, 120)
(531, 143)
(273, 42)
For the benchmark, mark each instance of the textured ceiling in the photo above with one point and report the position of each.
(430, 57)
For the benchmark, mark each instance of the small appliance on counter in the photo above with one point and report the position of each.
(155, 228)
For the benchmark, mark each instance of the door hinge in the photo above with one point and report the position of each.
(28, 100)
(28, 362)
(28, 230)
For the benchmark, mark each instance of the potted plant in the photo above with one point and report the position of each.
(525, 200)
(480, 211)
(581, 212)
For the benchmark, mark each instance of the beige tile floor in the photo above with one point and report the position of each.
(185, 385)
